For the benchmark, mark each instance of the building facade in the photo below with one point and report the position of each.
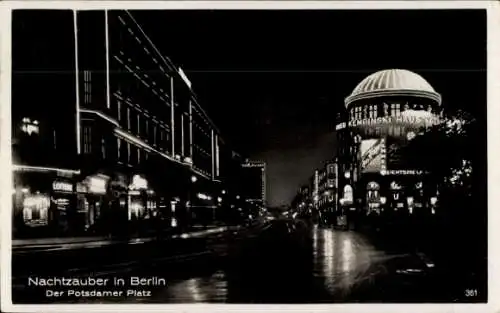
(327, 191)
(137, 144)
(383, 113)
(255, 184)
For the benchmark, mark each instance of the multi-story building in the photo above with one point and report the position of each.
(327, 190)
(137, 143)
(43, 133)
(255, 186)
(383, 113)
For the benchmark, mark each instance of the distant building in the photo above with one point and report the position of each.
(254, 180)
(327, 190)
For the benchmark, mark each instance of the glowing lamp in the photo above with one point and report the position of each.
(194, 179)
(383, 200)
(433, 200)
(409, 200)
(97, 185)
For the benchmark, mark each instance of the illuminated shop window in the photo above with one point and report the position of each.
(35, 210)
(29, 126)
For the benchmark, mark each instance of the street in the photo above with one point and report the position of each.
(284, 261)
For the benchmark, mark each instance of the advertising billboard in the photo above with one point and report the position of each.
(372, 155)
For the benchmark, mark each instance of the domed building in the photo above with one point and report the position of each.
(384, 112)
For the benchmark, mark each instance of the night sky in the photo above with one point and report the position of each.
(273, 80)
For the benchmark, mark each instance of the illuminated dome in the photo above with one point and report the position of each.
(394, 82)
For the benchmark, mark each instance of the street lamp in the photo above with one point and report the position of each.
(410, 204)
(433, 205)
(223, 192)
(433, 201)
(382, 200)
(194, 179)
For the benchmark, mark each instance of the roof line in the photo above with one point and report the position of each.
(172, 66)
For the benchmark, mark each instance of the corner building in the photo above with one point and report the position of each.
(383, 113)
(144, 139)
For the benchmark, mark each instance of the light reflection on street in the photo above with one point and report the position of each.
(342, 258)
(199, 289)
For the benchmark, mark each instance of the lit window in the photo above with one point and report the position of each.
(30, 127)
(395, 109)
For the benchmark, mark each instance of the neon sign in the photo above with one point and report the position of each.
(62, 186)
(402, 172)
(427, 120)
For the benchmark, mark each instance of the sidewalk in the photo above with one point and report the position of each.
(68, 243)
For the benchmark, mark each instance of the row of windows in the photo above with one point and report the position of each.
(393, 109)
(127, 85)
(120, 149)
(138, 47)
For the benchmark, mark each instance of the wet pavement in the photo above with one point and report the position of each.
(287, 262)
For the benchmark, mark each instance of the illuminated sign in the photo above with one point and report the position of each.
(395, 186)
(30, 127)
(253, 165)
(371, 155)
(138, 183)
(402, 119)
(348, 193)
(62, 186)
(96, 185)
(402, 172)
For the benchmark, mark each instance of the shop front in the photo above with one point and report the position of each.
(43, 201)
(63, 203)
(92, 203)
